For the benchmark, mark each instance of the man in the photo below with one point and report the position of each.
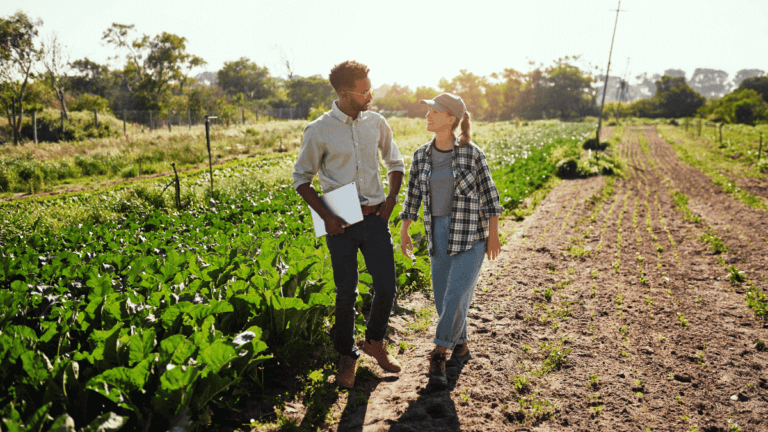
(341, 148)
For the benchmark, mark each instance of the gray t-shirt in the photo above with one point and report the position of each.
(441, 182)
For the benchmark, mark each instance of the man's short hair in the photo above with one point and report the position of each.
(344, 75)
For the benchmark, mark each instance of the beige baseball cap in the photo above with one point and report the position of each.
(447, 102)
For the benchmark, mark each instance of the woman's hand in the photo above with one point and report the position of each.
(405, 244)
(405, 240)
(493, 247)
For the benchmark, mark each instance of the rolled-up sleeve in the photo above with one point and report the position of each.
(308, 162)
(413, 194)
(390, 154)
(490, 203)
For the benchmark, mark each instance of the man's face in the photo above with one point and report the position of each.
(360, 96)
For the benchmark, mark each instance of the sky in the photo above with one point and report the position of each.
(415, 43)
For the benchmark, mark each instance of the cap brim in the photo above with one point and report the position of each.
(432, 104)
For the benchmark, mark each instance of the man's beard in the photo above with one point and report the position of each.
(362, 106)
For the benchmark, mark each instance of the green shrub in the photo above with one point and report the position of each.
(79, 126)
(315, 113)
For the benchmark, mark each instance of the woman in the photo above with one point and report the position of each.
(461, 218)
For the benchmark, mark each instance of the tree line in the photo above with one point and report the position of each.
(155, 75)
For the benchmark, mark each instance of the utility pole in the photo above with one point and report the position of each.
(607, 72)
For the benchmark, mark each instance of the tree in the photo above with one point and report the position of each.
(675, 98)
(153, 65)
(562, 90)
(311, 92)
(674, 73)
(758, 84)
(740, 106)
(569, 92)
(471, 88)
(710, 82)
(744, 74)
(644, 88)
(89, 77)
(18, 55)
(56, 62)
(246, 77)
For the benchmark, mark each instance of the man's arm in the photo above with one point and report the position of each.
(395, 182)
(333, 224)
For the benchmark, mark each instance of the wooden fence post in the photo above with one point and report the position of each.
(242, 111)
(34, 125)
(62, 123)
(124, 131)
(189, 119)
(96, 118)
(150, 120)
(13, 122)
(208, 142)
(760, 151)
(169, 120)
(721, 134)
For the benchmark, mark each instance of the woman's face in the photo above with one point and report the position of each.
(439, 121)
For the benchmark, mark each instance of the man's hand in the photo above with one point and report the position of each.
(334, 225)
(385, 208)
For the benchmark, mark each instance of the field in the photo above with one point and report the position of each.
(632, 303)
(629, 301)
(121, 305)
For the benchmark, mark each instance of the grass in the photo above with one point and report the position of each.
(736, 160)
(423, 320)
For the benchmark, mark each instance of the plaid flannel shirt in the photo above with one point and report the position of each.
(475, 197)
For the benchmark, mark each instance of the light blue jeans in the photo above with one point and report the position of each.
(454, 279)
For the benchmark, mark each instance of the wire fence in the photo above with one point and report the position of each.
(174, 118)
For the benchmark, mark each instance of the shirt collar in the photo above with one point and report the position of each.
(432, 144)
(339, 114)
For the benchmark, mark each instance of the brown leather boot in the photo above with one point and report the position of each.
(345, 376)
(378, 350)
(437, 377)
(460, 355)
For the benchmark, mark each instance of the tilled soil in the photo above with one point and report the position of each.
(624, 283)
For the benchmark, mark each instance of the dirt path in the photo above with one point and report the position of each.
(625, 284)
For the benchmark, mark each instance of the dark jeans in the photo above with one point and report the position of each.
(372, 237)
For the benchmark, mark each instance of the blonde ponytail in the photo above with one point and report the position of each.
(466, 135)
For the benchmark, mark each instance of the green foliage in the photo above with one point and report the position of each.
(154, 314)
(681, 202)
(673, 98)
(744, 106)
(312, 92)
(758, 84)
(246, 77)
(89, 102)
(735, 276)
(79, 126)
(757, 301)
(716, 244)
(152, 64)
